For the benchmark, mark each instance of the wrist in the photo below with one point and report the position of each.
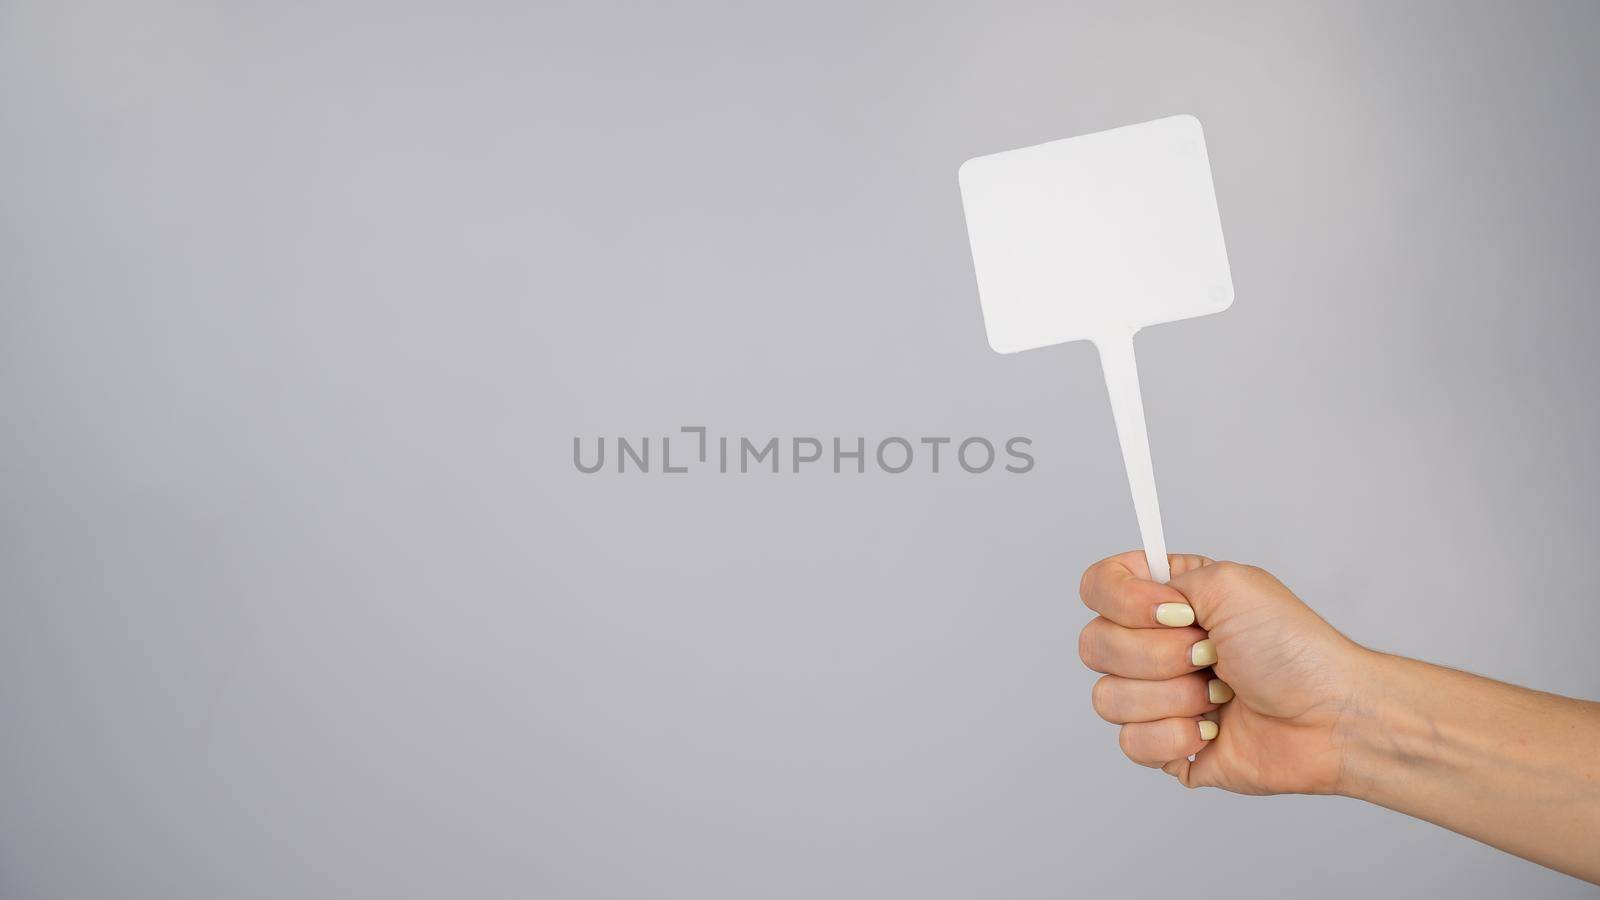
(1407, 722)
(1370, 739)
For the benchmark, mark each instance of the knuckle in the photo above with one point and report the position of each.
(1230, 579)
(1128, 742)
(1234, 574)
(1251, 575)
(1089, 646)
(1229, 574)
(1100, 697)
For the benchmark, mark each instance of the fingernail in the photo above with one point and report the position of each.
(1175, 615)
(1208, 730)
(1217, 691)
(1203, 653)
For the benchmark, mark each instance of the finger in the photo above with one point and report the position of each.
(1143, 653)
(1123, 700)
(1120, 589)
(1223, 589)
(1179, 769)
(1202, 770)
(1159, 743)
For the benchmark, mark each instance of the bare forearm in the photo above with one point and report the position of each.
(1516, 769)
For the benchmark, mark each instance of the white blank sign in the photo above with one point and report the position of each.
(1094, 236)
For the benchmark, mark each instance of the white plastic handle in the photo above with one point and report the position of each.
(1127, 408)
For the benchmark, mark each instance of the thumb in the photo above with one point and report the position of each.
(1221, 590)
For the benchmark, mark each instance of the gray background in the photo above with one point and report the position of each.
(303, 597)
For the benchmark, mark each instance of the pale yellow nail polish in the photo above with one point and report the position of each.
(1203, 653)
(1175, 615)
(1208, 730)
(1217, 691)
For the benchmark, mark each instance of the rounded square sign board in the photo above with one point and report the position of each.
(1095, 236)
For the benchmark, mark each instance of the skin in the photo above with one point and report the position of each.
(1306, 710)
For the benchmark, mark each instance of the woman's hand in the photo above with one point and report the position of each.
(1225, 664)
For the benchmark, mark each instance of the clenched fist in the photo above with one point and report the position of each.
(1223, 664)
